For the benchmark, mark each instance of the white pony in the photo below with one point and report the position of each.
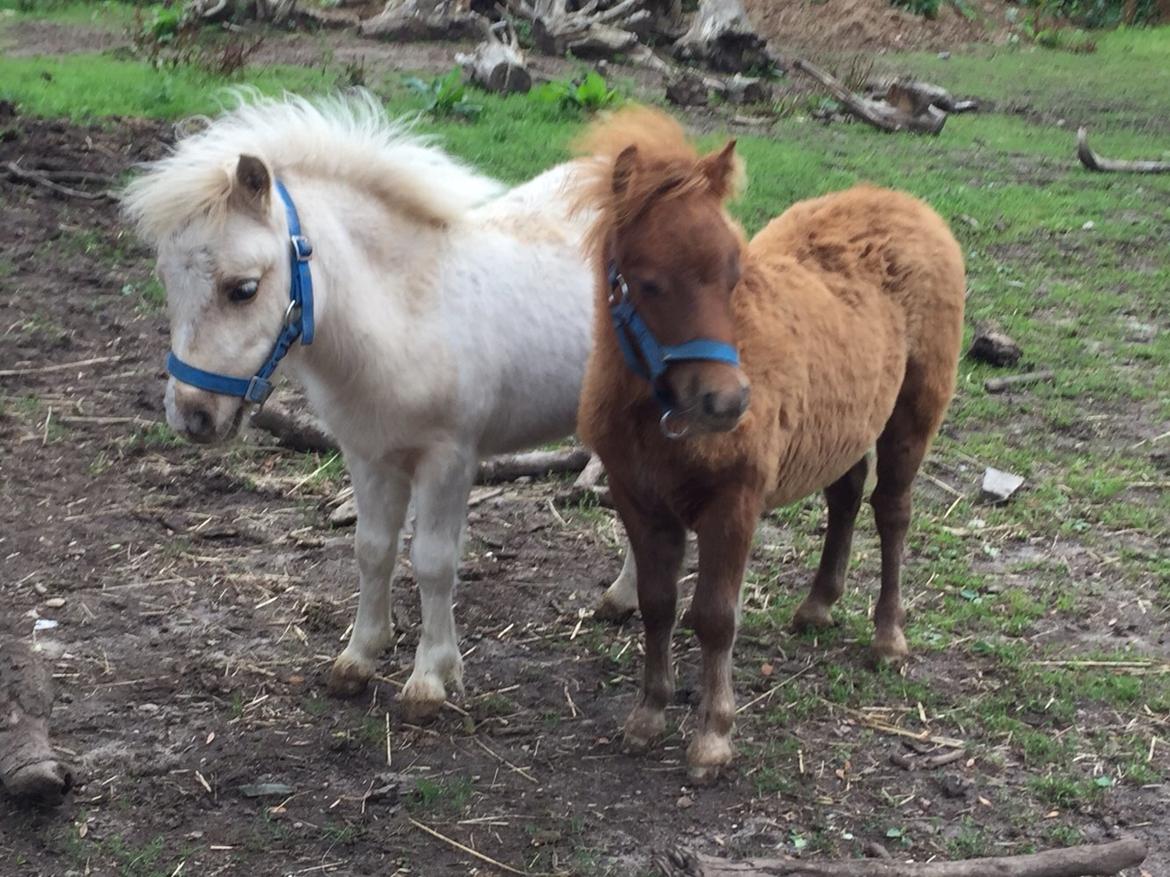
(448, 321)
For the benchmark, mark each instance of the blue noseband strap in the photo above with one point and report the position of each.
(298, 324)
(644, 355)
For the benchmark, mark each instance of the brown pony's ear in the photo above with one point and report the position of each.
(252, 185)
(623, 169)
(723, 170)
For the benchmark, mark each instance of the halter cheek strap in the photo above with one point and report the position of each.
(298, 324)
(643, 353)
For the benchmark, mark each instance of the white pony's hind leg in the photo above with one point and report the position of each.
(442, 484)
(382, 496)
(621, 598)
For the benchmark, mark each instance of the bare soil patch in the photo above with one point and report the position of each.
(200, 596)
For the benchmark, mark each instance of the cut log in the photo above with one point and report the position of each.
(877, 113)
(497, 63)
(412, 20)
(1094, 162)
(722, 37)
(1089, 860)
(28, 767)
(271, 11)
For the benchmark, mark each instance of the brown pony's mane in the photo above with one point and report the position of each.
(667, 166)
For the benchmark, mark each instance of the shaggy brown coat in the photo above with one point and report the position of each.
(847, 316)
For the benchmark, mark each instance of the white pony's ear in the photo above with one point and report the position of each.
(252, 185)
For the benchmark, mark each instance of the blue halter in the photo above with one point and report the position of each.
(298, 324)
(644, 355)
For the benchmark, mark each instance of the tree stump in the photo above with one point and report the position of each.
(722, 37)
(497, 63)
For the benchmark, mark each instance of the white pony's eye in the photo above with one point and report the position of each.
(244, 291)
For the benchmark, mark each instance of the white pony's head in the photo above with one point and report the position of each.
(212, 212)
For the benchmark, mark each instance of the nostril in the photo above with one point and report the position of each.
(199, 423)
(711, 404)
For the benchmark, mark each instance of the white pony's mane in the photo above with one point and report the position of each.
(347, 137)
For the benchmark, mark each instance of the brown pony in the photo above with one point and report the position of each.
(846, 312)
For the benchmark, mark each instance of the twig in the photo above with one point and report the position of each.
(57, 367)
(465, 849)
(44, 178)
(999, 385)
(505, 762)
(775, 688)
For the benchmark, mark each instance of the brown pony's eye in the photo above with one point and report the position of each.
(244, 291)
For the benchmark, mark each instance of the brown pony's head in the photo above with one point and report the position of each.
(662, 224)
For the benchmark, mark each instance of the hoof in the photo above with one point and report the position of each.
(811, 616)
(42, 782)
(642, 729)
(350, 676)
(707, 756)
(608, 610)
(422, 699)
(889, 649)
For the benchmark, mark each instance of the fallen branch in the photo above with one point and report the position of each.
(877, 113)
(296, 430)
(1094, 162)
(585, 32)
(534, 464)
(28, 767)
(1089, 860)
(424, 20)
(1001, 385)
(51, 180)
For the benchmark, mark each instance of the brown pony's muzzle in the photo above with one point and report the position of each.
(711, 396)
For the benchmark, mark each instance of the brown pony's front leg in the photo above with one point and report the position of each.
(658, 541)
(725, 531)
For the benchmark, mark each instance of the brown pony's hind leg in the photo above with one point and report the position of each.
(658, 542)
(900, 451)
(843, 497)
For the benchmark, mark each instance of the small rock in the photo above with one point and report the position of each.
(1139, 332)
(874, 850)
(686, 802)
(344, 515)
(994, 347)
(55, 603)
(999, 486)
(40, 589)
(264, 790)
(944, 56)
(44, 624)
(952, 786)
(1089, 226)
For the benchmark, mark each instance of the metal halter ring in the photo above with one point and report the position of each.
(618, 284)
(290, 312)
(664, 425)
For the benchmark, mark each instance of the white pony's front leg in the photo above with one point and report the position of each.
(621, 598)
(382, 495)
(442, 483)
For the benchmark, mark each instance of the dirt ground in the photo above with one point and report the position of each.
(199, 597)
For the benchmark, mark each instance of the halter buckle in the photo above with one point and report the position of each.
(302, 249)
(291, 313)
(259, 389)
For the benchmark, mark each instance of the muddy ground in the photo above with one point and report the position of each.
(199, 597)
